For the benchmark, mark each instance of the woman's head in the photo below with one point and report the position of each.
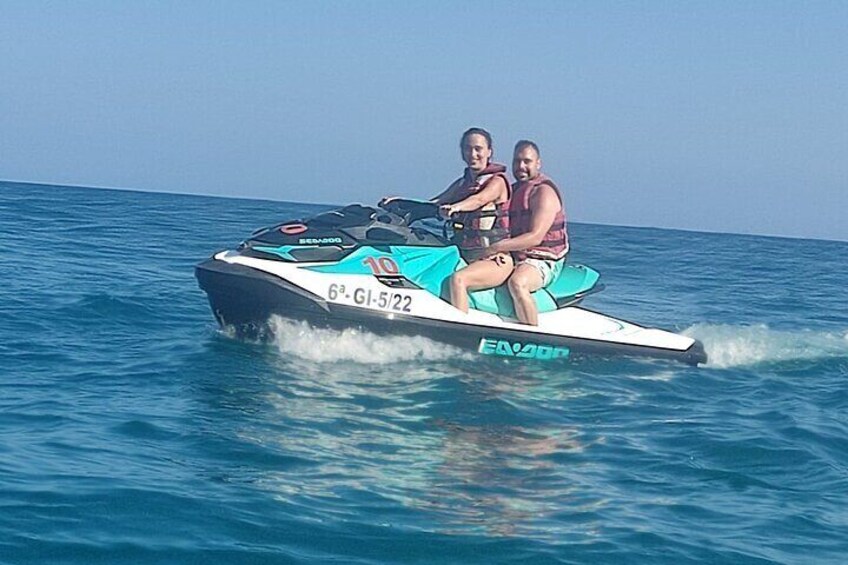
(476, 147)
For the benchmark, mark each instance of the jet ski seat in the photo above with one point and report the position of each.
(573, 283)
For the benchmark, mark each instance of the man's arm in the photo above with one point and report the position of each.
(544, 205)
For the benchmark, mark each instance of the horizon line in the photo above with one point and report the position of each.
(260, 199)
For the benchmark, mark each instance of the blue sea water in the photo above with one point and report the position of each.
(135, 431)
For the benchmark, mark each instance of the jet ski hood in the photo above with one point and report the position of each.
(332, 235)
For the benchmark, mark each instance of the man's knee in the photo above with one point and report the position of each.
(519, 283)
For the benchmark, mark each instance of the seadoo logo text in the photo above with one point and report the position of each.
(318, 240)
(504, 348)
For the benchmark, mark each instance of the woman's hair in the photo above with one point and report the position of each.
(477, 131)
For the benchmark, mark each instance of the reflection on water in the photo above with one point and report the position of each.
(411, 445)
(504, 480)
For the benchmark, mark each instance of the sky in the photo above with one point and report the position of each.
(707, 116)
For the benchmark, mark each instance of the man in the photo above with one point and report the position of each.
(537, 223)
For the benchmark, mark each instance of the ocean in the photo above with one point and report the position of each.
(135, 431)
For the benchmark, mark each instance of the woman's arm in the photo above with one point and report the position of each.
(494, 191)
(445, 196)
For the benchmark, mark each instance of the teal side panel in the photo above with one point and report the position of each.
(427, 267)
(493, 300)
(499, 301)
(573, 279)
(281, 251)
(353, 264)
(432, 273)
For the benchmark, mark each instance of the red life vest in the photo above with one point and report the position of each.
(490, 223)
(555, 243)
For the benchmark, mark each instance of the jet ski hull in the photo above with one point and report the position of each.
(244, 298)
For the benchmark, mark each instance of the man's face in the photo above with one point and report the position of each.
(476, 152)
(526, 163)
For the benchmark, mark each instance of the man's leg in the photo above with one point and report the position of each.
(525, 279)
(485, 273)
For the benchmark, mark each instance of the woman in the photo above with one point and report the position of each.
(479, 200)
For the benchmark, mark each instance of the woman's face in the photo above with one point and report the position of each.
(476, 152)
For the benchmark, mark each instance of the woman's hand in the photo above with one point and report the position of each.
(448, 210)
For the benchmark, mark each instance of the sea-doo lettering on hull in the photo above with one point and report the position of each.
(504, 348)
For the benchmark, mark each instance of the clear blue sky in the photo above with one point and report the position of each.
(717, 116)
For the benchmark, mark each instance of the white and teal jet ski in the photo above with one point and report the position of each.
(386, 270)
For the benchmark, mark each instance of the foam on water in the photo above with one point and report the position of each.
(726, 345)
(733, 346)
(326, 346)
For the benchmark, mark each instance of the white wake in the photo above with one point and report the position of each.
(357, 346)
(733, 346)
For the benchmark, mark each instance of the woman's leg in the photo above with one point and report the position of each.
(483, 273)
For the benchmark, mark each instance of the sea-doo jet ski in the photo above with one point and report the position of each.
(386, 270)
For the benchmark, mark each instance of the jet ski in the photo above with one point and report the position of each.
(385, 269)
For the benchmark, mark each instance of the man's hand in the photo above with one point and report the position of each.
(493, 249)
(492, 254)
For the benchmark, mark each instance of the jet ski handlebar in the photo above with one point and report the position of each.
(410, 210)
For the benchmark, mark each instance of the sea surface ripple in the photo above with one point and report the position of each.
(135, 431)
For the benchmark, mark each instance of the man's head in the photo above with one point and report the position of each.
(476, 147)
(526, 161)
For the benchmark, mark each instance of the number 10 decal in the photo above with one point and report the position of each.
(382, 266)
